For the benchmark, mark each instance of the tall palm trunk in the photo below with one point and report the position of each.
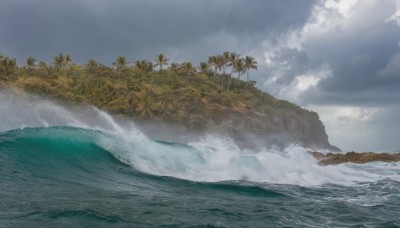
(215, 72)
(230, 78)
(223, 76)
(229, 83)
(247, 77)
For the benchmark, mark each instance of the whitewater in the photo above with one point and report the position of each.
(73, 165)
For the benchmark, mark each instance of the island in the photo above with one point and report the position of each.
(216, 95)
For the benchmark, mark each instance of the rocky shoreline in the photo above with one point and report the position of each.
(359, 158)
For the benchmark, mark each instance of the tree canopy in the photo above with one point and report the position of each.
(180, 92)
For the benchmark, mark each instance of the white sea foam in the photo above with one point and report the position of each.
(214, 159)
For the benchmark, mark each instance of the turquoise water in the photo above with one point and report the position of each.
(65, 177)
(76, 166)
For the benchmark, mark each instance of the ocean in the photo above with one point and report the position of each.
(64, 166)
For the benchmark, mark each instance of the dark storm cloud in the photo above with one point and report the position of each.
(362, 53)
(140, 29)
(358, 65)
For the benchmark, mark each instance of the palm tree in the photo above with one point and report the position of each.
(232, 59)
(91, 65)
(144, 104)
(239, 68)
(148, 66)
(225, 60)
(138, 65)
(174, 67)
(58, 61)
(9, 64)
(120, 63)
(30, 63)
(213, 62)
(221, 67)
(161, 60)
(43, 67)
(231, 62)
(144, 65)
(203, 67)
(249, 63)
(187, 68)
(67, 60)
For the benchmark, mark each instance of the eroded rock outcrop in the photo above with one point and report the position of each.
(360, 158)
(249, 127)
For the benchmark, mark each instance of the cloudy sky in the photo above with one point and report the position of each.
(340, 58)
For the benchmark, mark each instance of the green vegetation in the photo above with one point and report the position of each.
(173, 92)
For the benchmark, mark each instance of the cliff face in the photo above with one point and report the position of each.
(251, 128)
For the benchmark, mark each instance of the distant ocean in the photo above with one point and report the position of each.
(70, 167)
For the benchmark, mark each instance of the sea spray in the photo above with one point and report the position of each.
(215, 159)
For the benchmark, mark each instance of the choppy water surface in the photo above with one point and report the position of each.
(65, 168)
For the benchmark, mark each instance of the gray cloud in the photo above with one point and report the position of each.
(362, 53)
(392, 69)
(140, 29)
(368, 130)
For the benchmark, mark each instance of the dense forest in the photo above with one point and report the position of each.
(157, 90)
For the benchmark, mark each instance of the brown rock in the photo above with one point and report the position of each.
(360, 158)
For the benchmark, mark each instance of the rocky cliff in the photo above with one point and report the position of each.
(252, 128)
(252, 117)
